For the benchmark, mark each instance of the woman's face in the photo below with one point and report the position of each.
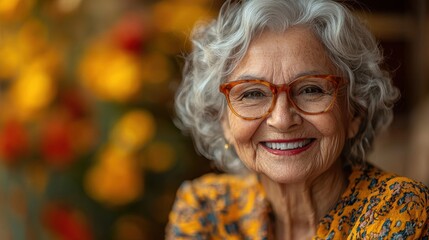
(264, 144)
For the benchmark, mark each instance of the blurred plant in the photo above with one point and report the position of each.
(87, 146)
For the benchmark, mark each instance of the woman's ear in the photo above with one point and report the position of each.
(354, 126)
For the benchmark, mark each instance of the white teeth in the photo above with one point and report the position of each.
(287, 146)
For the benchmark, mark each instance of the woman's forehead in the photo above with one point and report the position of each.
(285, 55)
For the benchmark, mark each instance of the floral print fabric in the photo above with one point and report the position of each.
(375, 205)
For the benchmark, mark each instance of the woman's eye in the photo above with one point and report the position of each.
(254, 94)
(312, 90)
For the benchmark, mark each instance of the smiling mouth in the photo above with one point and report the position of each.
(284, 146)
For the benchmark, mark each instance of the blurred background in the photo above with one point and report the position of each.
(88, 148)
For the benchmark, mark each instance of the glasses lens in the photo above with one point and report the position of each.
(313, 95)
(251, 99)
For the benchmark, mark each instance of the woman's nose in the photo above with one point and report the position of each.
(284, 116)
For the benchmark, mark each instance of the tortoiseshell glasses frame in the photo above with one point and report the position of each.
(310, 94)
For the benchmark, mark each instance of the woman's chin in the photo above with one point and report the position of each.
(285, 177)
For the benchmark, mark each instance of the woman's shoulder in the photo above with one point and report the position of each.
(389, 205)
(372, 181)
(213, 185)
(379, 205)
(220, 206)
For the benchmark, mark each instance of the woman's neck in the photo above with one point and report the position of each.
(298, 207)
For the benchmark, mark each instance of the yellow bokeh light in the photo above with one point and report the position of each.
(8, 6)
(11, 56)
(122, 78)
(110, 73)
(15, 9)
(178, 17)
(115, 179)
(19, 48)
(33, 91)
(134, 130)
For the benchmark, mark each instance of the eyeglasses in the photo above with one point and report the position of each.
(254, 99)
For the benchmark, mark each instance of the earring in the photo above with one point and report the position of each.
(226, 146)
(229, 159)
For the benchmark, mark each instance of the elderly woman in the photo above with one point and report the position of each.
(288, 96)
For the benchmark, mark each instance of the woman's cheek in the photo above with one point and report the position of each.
(331, 149)
(243, 131)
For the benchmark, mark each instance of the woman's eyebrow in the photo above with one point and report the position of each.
(249, 77)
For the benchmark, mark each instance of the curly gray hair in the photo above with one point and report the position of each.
(221, 44)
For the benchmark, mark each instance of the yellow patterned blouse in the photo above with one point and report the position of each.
(375, 205)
